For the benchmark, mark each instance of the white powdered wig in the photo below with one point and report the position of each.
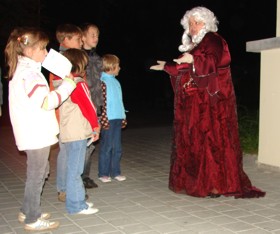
(200, 14)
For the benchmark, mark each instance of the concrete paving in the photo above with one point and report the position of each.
(142, 204)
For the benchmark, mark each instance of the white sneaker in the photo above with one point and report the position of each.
(90, 204)
(105, 179)
(120, 178)
(41, 225)
(88, 211)
(21, 216)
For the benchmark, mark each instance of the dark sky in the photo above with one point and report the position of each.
(142, 31)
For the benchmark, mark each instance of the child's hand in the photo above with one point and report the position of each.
(70, 76)
(95, 136)
(98, 129)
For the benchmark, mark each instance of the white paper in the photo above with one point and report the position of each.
(58, 64)
(89, 141)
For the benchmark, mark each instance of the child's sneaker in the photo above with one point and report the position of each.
(89, 211)
(120, 178)
(105, 179)
(21, 216)
(41, 225)
(90, 204)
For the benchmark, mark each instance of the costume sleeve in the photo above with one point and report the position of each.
(174, 70)
(171, 69)
(207, 58)
(38, 91)
(81, 96)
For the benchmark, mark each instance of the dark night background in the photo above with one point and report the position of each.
(140, 32)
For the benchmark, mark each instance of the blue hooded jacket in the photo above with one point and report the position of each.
(115, 107)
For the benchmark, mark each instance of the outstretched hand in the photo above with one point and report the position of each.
(186, 58)
(159, 66)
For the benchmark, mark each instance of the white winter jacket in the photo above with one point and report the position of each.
(34, 127)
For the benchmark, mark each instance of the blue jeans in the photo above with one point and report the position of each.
(75, 190)
(61, 168)
(110, 150)
(37, 172)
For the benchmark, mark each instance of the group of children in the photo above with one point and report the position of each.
(74, 111)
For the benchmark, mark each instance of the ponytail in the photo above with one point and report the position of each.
(19, 39)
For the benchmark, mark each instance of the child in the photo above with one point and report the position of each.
(68, 36)
(94, 69)
(113, 120)
(32, 114)
(78, 123)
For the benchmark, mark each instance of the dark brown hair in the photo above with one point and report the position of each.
(78, 58)
(67, 31)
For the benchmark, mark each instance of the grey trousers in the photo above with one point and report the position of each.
(88, 160)
(37, 172)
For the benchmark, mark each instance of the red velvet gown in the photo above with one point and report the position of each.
(206, 151)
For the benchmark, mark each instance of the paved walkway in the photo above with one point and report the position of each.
(142, 204)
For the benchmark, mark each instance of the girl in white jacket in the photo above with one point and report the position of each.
(31, 106)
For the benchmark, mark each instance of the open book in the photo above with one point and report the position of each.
(57, 64)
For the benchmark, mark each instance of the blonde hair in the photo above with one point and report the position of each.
(67, 31)
(79, 60)
(20, 39)
(110, 61)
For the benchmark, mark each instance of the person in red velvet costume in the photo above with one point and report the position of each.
(206, 155)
